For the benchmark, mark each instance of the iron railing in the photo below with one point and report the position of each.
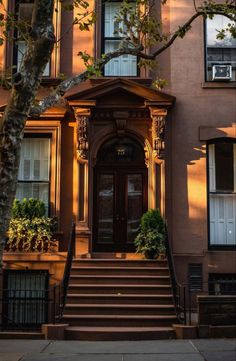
(223, 287)
(185, 295)
(59, 291)
(179, 290)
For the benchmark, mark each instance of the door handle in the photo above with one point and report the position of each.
(117, 217)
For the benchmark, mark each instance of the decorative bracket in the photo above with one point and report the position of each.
(82, 118)
(158, 131)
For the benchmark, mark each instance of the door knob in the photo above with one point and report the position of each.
(117, 217)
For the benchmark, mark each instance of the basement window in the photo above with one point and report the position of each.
(195, 277)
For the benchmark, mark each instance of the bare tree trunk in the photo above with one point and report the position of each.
(26, 84)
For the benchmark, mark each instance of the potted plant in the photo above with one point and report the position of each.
(150, 240)
(30, 230)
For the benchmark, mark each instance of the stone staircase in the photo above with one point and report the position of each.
(119, 299)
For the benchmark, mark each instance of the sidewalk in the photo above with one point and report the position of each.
(168, 350)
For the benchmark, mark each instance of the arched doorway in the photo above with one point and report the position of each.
(120, 194)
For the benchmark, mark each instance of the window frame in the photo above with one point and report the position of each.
(103, 41)
(45, 136)
(219, 247)
(15, 56)
(54, 63)
(223, 82)
(51, 128)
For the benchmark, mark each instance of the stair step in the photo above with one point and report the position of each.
(118, 279)
(119, 263)
(21, 335)
(119, 333)
(119, 298)
(130, 309)
(119, 320)
(119, 288)
(161, 271)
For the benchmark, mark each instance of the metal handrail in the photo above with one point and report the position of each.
(179, 290)
(67, 269)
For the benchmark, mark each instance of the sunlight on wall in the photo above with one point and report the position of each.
(3, 47)
(82, 40)
(197, 189)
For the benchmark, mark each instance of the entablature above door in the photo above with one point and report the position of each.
(119, 101)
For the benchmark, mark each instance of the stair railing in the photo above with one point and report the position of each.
(69, 260)
(179, 290)
(59, 290)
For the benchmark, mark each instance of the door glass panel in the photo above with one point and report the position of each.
(135, 205)
(105, 208)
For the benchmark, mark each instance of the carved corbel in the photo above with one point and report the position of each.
(82, 118)
(158, 132)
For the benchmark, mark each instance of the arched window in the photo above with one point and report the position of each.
(222, 192)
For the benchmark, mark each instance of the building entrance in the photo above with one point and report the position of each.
(120, 195)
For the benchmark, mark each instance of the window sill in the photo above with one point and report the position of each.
(222, 248)
(219, 85)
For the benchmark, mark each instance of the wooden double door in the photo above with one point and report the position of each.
(120, 194)
(120, 201)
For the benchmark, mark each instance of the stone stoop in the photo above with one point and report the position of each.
(119, 299)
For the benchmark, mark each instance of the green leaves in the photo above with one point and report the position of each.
(93, 68)
(29, 229)
(28, 208)
(151, 237)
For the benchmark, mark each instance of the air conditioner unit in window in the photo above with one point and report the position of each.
(222, 72)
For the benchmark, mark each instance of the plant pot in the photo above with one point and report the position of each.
(150, 254)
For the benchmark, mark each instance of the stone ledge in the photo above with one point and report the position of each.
(185, 331)
(54, 331)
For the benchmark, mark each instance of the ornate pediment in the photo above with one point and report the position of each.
(116, 92)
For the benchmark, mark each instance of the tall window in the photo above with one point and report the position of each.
(222, 192)
(24, 10)
(125, 65)
(34, 171)
(220, 54)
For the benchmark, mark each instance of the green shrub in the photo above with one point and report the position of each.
(28, 208)
(151, 238)
(29, 228)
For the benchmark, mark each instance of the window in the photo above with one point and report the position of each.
(24, 10)
(220, 54)
(125, 65)
(25, 299)
(222, 192)
(34, 171)
(195, 276)
(222, 284)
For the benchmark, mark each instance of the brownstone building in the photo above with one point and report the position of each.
(117, 147)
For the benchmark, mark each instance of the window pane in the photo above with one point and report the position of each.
(33, 190)
(105, 208)
(21, 48)
(222, 219)
(34, 170)
(220, 54)
(224, 166)
(135, 205)
(217, 23)
(111, 25)
(125, 65)
(34, 161)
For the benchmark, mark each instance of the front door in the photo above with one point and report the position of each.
(120, 190)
